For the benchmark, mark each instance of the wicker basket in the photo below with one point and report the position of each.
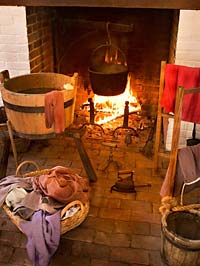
(66, 224)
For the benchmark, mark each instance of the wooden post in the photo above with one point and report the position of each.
(175, 139)
(76, 134)
(4, 137)
(159, 117)
(10, 132)
(85, 160)
(4, 152)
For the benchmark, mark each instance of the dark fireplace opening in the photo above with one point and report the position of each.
(63, 40)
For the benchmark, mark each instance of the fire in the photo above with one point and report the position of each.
(111, 107)
(113, 58)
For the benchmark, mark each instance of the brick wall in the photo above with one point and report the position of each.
(17, 47)
(173, 39)
(39, 27)
(14, 54)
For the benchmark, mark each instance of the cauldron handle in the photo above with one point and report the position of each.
(106, 46)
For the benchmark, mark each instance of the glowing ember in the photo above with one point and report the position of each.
(111, 107)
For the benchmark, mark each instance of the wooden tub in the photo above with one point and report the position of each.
(24, 98)
(180, 239)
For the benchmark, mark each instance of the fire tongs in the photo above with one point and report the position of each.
(125, 182)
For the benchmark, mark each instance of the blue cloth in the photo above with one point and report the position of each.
(43, 233)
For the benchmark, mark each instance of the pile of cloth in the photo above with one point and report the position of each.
(39, 200)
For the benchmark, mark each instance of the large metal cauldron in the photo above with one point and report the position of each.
(24, 99)
(108, 78)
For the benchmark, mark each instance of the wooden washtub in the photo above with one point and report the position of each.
(23, 97)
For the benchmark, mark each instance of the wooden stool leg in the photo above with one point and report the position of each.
(159, 120)
(10, 132)
(4, 153)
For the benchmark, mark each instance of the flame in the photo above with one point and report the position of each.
(113, 57)
(113, 106)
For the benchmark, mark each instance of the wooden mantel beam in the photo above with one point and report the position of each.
(169, 4)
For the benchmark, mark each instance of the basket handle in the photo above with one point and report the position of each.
(71, 204)
(26, 162)
(187, 184)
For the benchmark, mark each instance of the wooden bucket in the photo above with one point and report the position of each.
(180, 239)
(24, 97)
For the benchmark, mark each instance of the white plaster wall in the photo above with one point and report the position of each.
(188, 42)
(14, 55)
(185, 133)
(188, 54)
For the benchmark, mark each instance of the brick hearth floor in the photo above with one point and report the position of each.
(122, 229)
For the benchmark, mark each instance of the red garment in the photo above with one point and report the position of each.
(63, 185)
(188, 77)
(54, 111)
(169, 93)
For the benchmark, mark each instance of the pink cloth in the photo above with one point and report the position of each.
(189, 78)
(63, 185)
(54, 111)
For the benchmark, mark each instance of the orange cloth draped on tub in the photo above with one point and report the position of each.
(54, 111)
(63, 185)
(189, 78)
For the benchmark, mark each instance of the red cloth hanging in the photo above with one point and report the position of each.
(189, 78)
(169, 93)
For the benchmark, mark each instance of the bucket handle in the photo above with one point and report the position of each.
(187, 184)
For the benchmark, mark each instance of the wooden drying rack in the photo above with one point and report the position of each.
(180, 92)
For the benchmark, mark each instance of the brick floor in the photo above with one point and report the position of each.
(121, 229)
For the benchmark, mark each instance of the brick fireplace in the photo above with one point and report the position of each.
(121, 228)
(63, 39)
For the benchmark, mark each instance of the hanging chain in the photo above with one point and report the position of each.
(108, 33)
